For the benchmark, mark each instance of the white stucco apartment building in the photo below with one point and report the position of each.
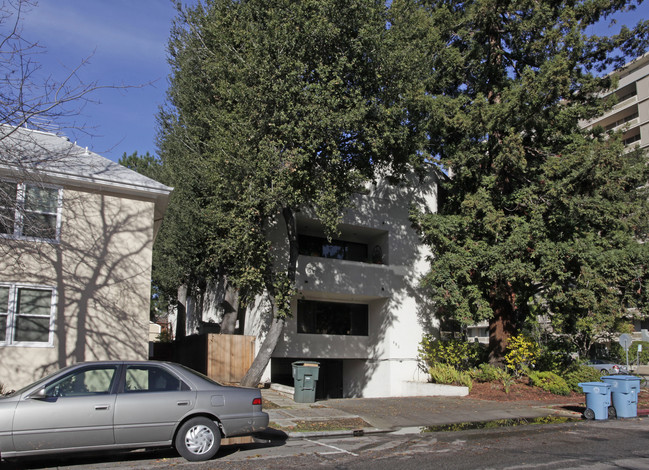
(359, 311)
(631, 114)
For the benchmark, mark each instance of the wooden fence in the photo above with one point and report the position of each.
(229, 357)
(224, 358)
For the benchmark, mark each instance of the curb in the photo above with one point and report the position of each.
(343, 432)
(368, 431)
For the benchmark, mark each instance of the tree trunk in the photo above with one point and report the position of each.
(230, 310)
(181, 312)
(502, 326)
(229, 322)
(253, 376)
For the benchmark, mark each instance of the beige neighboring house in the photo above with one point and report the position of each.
(76, 237)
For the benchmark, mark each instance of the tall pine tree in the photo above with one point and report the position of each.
(534, 209)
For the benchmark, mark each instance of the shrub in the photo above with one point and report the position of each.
(449, 375)
(460, 354)
(550, 382)
(554, 361)
(580, 373)
(522, 354)
(488, 373)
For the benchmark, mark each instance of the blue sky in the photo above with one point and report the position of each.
(127, 41)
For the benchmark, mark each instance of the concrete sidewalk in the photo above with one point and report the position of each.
(367, 415)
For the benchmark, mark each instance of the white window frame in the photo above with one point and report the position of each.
(21, 191)
(12, 315)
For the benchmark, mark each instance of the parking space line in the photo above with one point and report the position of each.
(338, 449)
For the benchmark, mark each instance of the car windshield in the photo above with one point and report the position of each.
(13, 393)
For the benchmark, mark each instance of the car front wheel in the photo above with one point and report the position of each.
(198, 439)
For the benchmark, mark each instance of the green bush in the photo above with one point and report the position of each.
(460, 354)
(488, 373)
(449, 375)
(550, 382)
(556, 361)
(580, 373)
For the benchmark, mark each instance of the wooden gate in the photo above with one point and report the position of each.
(229, 357)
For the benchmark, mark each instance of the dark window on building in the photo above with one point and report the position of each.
(632, 139)
(332, 318)
(335, 249)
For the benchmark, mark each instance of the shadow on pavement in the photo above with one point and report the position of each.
(265, 439)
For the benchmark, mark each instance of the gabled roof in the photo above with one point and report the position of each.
(27, 154)
(55, 157)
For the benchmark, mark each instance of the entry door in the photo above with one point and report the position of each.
(76, 411)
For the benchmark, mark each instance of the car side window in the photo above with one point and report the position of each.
(91, 381)
(143, 378)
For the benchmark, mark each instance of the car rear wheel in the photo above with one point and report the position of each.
(198, 439)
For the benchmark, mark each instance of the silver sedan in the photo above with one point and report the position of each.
(107, 405)
(607, 367)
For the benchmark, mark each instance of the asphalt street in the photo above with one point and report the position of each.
(582, 444)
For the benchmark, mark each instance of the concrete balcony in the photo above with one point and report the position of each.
(623, 104)
(346, 278)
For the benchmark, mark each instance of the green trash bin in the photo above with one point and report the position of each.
(305, 377)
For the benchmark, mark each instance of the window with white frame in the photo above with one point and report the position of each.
(30, 211)
(26, 315)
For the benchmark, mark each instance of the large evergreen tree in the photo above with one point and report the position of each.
(534, 210)
(274, 106)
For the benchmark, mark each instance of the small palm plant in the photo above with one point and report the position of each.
(507, 380)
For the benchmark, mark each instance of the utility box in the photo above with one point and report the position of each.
(624, 394)
(598, 400)
(305, 377)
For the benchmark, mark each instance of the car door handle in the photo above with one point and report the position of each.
(183, 403)
(101, 407)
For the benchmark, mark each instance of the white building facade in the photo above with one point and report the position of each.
(631, 113)
(359, 311)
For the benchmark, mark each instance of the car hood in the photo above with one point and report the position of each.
(7, 399)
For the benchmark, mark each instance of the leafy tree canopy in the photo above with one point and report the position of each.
(534, 208)
(273, 105)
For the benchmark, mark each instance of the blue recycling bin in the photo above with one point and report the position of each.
(624, 394)
(598, 399)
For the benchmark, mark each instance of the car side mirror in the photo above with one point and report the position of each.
(39, 395)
